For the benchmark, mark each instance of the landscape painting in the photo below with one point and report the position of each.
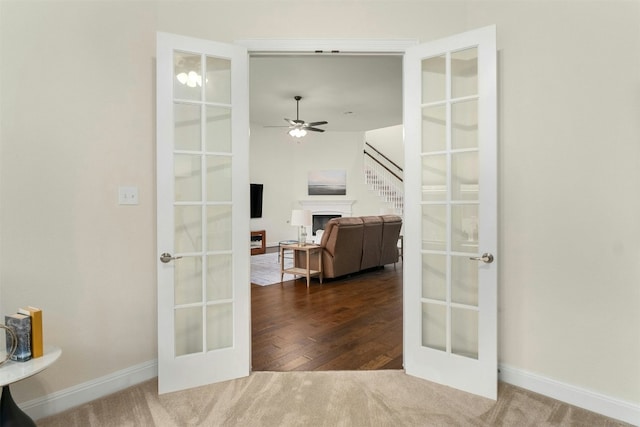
(328, 183)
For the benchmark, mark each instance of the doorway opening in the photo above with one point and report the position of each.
(353, 322)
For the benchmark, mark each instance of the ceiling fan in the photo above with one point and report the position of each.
(298, 128)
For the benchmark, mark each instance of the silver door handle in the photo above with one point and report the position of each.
(166, 257)
(486, 258)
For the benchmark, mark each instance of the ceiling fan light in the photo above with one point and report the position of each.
(297, 132)
(194, 79)
(182, 78)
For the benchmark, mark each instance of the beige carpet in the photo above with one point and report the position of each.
(337, 398)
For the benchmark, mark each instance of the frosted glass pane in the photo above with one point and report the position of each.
(219, 326)
(464, 73)
(434, 277)
(464, 280)
(434, 326)
(464, 129)
(188, 229)
(188, 180)
(434, 131)
(218, 81)
(434, 227)
(434, 178)
(219, 129)
(188, 280)
(433, 79)
(218, 178)
(464, 176)
(464, 332)
(464, 228)
(188, 331)
(187, 70)
(219, 277)
(219, 228)
(187, 127)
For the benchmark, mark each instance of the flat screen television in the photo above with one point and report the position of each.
(256, 200)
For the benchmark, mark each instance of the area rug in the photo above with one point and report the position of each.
(265, 269)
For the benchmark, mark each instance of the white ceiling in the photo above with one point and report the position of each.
(352, 93)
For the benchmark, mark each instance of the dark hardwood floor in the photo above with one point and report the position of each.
(351, 323)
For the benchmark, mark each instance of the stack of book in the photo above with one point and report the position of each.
(27, 326)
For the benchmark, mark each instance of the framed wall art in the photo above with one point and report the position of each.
(327, 183)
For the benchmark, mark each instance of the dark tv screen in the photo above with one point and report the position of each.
(256, 200)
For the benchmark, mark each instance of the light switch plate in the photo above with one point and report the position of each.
(127, 195)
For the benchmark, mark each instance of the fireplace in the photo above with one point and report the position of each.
(320, 221)
(326, 209)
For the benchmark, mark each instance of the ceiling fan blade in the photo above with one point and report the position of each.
(317, 123)
(291, 122)
(314, 129)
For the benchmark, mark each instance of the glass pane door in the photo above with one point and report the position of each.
(450, 198)
(203, 212)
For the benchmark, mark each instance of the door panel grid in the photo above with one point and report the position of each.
(450, 177)
(203, 186)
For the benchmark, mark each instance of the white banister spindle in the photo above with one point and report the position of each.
(384, 183)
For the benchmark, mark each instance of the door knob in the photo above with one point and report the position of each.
(166, 257)
(487, 258)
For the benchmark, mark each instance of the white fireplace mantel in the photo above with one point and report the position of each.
(328, 207)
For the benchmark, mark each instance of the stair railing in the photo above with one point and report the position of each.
(380, 176)
(389, 162)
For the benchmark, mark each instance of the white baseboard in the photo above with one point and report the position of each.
(595, 402)
(82, 393)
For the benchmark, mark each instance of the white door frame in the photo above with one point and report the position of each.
(329, 47)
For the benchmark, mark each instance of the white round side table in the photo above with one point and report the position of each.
(11, 372)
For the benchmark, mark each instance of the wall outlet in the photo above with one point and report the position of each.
(127, 195)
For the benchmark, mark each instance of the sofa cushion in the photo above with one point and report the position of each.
(343, 246)
(371, 242)
(391, 225)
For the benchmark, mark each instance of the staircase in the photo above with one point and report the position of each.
(384, 177)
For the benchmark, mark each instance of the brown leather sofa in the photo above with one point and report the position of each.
(353, 244)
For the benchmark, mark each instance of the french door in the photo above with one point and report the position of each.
(450, 280)
(450, 302)
(202, 212)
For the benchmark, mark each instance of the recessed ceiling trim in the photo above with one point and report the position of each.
(328, 46)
